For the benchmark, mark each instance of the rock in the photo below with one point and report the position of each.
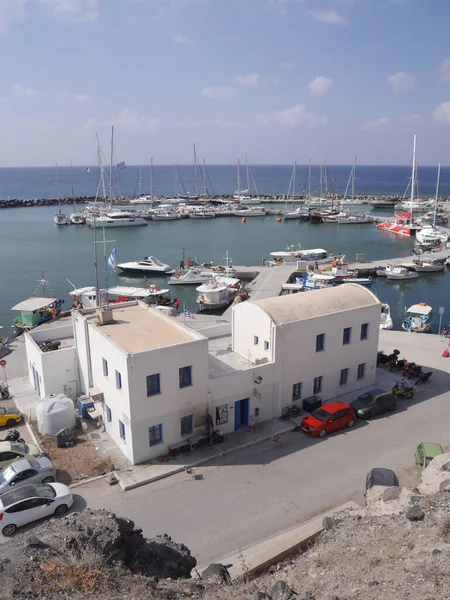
(262, 596)
(217, 573)
(308, 596)
(436, 552)
(273, 569)
(444, 486)
(281, 591)
(35, 542)
(329, 522)
(392, 493)
(445, 466)
(373, 583)
(111, 479)
(415, 499)
(410, 546)
(415, 513)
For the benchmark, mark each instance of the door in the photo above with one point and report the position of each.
(241, 413)
(38, 508)
(333, 423)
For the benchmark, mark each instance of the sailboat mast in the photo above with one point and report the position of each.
(100, 164)
(151, 179)
(111, 168)
(247, 174)
(195, 172)
(71, 181)
(57, 187)
(413, 175)
(353, 179)
(43, 284)
(437, 195)
(204, 178)
(239, 179)
(309, 180)
(140, 180)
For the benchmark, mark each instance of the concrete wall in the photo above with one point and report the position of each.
(81, 335)
(298, 360)
(248, 321)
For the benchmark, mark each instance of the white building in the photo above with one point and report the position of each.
(160, 382)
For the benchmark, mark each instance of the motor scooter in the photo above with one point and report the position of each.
(4, 390)
(403, 390)
(12, 436)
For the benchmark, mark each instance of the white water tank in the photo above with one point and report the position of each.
(55, 412)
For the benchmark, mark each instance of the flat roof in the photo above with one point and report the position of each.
(139, 328)
(33, 304)
(222, 360)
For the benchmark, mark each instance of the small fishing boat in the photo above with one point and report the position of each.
(202, 214)
(401, 274)
(249, 211)
(365, 281)
(318, 281)
(386, 319)
(418, 318)
(86, 297)
(294, 253)
(430, 266)
(218, 292)
(149, 265)
(35, 311)
(191, 277)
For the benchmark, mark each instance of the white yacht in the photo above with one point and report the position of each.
(149, 264)
(218, 292)
(60, 218)
(77, 218)
(202, 213)
(299, 213)
(165, 213)
(386, 319)
(430, 233)
(249, 211)
(294, 253)
(191, 277)
(117, 218)
(430, 266)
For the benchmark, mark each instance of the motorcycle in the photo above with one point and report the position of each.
(424, 377)
(403, 390)
(399, 363)
(414, 371)
(4, 390)
(387, 359)
(13, 436)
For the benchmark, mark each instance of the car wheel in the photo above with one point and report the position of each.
(5, 394)
(48, 480)
(61, 510)
(351, 423)
(9, 530)
(10, 422)
(322, 433)
(410, 395)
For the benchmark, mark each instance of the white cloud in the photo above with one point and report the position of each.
(82, 10)
(331, 16)
(441, 113)
(75, 97)
(377, 124)
(128, 120)
(444, 68)
(401, 82)
(411, 119)
(252, 79)
(219, 92)
(319, 86)
(11, 11)
(183, 40)
(294, 116)
(24, 91)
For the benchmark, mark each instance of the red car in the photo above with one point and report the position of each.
(329, 418)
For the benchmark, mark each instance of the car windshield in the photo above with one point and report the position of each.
(19, 448)
(7, 474)
(25, 492)
(321, 415)
(366, 399)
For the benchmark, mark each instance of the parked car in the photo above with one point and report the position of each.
(329, 418)
(374, 402)
(425, 452)
(9, 416)
(23, 471)
(380, 476)
(30, 503)
(11, 451)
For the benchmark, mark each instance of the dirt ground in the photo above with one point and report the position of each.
(77, 462)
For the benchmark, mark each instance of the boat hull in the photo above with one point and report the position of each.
(394, 277)
(430, 268)
(139, 222)
(145, 270)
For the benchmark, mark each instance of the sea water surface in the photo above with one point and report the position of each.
(31, 243)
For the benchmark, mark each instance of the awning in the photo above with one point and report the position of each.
(33, 304)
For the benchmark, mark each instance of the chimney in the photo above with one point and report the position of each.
(105, 316)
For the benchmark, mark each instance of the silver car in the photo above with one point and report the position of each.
(26, 470)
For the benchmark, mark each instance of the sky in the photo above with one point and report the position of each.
(278, 79)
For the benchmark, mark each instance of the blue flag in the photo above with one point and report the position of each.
(121, 165)
(112, 260)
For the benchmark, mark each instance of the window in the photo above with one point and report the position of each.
(296, 391)
(347, 336)
(344, 377)
(122, 430)
(318, 385)
(105, 367)
(266, 345)
(153, 385)
(320, 342)
(186, 425)
(361, 370)
(364, 331)
(118, 380)
(108, 413)
(155, 435)
(185, 376)
(255, 340)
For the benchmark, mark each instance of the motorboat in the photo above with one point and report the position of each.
(319, 203)
(218, 292)
(77, 218)
(364, 281)
(154, 296)
(401, 274)
(203, 213)
(191, 277)
(117, 218)
(299, 213)
(60, 219)
(318, 281)
(249, 211)
(348, 219)
(386, 319)
(417, 205)
(418, 318)
(292, 254)
(429, 233)
(148, 265)
(34, 311)
(430, 266)
(165, 214)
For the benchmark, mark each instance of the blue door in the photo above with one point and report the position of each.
(241, 413)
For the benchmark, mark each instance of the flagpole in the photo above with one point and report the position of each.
(184, 312)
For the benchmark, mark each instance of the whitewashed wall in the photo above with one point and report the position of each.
(248, 321)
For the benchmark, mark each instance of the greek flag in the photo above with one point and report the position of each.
(121, 165)
(188, 314)
(86, 170)
(112, 260)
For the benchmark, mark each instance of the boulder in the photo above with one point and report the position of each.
(392, 493)
(445, 466)
(281, 591)
(217, 573)
(415, 513)
(329, 522)
(444, 486)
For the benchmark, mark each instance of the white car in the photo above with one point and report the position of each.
(25, 471)
(30, 503)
